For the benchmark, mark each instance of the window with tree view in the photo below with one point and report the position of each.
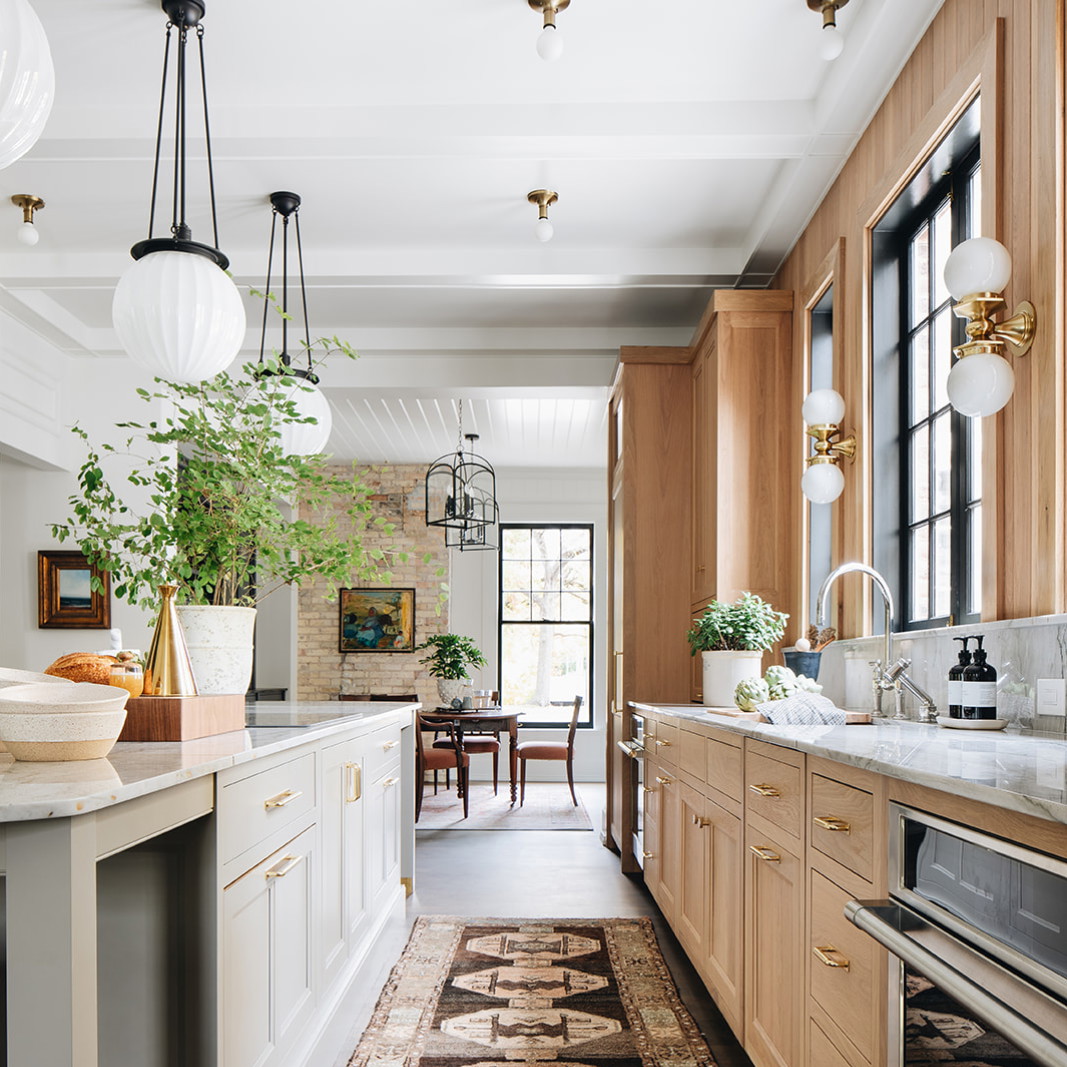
(546, 621)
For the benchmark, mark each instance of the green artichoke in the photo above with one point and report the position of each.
(807, 685)
(781, 681)
(750, 692)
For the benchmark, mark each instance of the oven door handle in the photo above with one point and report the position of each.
(882, 919)
(630, 750)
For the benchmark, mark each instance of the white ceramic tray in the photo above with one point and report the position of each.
(971, 724)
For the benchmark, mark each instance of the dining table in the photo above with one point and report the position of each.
(482, 721)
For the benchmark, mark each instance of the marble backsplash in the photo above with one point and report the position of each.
(1022, 650)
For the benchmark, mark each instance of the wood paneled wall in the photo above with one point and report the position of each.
(1024, 477)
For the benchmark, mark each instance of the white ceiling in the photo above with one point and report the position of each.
(689, 140)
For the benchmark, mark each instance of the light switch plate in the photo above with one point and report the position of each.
(1052, 697)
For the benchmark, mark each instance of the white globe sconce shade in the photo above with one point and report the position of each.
(980, 384)
(27, 80)
(823, 407)
(980, 265)
(179, 316)
(822, 483)
(307, 438)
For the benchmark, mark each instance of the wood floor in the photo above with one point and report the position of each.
(526, 873)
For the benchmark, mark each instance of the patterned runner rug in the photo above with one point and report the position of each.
(548, 807)
(506, 992)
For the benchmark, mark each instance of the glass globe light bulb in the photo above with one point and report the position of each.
(980, 265)
(822, 483)
(832, 45)
(28, 234)
(981, 384)
(823, 407)
(550, 44)
(545, 230)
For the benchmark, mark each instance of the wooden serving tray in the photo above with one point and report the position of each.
(182, 718)
(852, 718)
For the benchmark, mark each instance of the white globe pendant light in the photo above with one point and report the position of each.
(307, 438)
(176, 311)
(27, 80)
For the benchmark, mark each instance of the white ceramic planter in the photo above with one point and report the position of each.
(722, 672)
(448, 689)
(220, 646)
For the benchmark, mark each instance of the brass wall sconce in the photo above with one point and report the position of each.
(27, 232)
(550, 43)
(544, 199)
(822, 412)
(833, 40)
(982, 380)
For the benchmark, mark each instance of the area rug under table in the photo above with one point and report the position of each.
(504, 992)
(548, 807)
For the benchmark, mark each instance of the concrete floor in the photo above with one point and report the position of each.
(527, 874)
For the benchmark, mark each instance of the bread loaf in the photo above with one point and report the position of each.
(83, 667)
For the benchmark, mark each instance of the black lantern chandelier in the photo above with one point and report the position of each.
(461, 497)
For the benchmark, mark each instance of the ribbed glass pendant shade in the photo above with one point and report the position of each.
(27, 80)
(179, 316)
(307, 438)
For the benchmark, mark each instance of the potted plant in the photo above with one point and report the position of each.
(732, 639)
(225, 512)
(449, 657)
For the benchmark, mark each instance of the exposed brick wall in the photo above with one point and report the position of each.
(322, 671)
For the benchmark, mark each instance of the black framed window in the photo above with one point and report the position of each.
(928, 510)
(546, 621)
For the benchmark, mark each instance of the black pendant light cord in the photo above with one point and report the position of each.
(207, 138)
(303, 294)
(159, 133)
(266, 288)
(178, 228)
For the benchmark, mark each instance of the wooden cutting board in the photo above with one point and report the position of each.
(182, 718)
(852, 718)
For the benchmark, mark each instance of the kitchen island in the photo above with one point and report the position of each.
(206, 901)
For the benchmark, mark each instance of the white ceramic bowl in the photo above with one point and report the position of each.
(62, 698)
(13, 676)
(56, 737)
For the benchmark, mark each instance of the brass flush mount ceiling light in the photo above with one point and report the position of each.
(833, 41)
(550, 43)
(544, 199)
(823, 411)
(27, 232)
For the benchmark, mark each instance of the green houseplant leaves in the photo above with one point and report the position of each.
(748, 624)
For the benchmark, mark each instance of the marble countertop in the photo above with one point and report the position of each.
(135, 768)
(1024, 772)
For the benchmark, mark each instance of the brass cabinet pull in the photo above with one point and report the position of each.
(616, 711)
(386, 745)
(768, 855)
(354, 774)
(389, 782)
(648, 789)
(666, 744)
(830, 956)
(664, 779)
(617, 652)
(766, 790)
(699, 820)
(284, 866)
(282, 799)
(833, 824)
(648, 855)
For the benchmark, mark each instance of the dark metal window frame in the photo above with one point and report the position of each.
(502, 622)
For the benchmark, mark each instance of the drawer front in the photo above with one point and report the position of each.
(843, 964)
(666, 741)
(774, 791)
(843, 824)
(824, 1053)
(253, 808)
(383, 750)
(691, 754)
(723, 767)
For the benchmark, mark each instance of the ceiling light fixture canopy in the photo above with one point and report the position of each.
(27, 80)
(27, 232)
(176, 311)
(544, 199)
(550, 43)
(300, 384)
(833, 40)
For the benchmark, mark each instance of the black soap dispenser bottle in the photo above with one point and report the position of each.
(955, 680)
(979, 687)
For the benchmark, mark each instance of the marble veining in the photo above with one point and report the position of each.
(1022, 772)
(136, 768)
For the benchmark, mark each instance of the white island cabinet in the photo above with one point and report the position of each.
(207, 902)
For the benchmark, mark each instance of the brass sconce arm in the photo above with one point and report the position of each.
(985, 335)
(827, 450)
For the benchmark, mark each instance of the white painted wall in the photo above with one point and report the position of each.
(547, 496)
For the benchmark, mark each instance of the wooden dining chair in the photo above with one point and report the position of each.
(433, 758)
(474, 745)
(550, 750)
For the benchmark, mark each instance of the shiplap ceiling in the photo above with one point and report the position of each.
(689, 141)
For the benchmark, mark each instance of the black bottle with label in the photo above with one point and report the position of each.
(979, 688)
(955, 680)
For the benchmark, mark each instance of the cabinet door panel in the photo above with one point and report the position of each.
(383, 836)
(292, 938)
(691, 918)
(724, 941)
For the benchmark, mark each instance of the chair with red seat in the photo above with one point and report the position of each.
(476, 744)
(550, 750)
(432, 758)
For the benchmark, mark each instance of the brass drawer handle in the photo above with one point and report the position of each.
(616, 711)
(664, 779)
(354, 773)
(830, 956)
(284, 866)
(386, 745)
(699, 820)
(649, 789)
(648, 855)
(389, 782)
(283, 798)
(833, 824)
(666, 744)
(768, 855)
(766, 790)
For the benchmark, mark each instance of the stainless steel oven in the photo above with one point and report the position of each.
(634, 749)
(977, 929)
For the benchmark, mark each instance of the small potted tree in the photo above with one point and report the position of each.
(449, 656)
(731, 639)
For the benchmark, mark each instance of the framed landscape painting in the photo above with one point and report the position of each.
(66, 599)
(377, 620)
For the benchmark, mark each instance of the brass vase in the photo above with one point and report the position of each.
(167, 670)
